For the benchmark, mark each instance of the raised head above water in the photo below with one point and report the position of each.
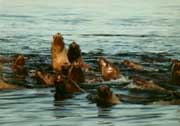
(58, 52)
(74, 52)
(108, 70)
(65, 87)
(18, 65)
(105, 96)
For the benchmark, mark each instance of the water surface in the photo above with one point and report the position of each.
(146, 31)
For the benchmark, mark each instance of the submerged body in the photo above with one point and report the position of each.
(147, 85)
(132, 65)
(6, 86)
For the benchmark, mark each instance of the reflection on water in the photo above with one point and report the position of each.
(143, 30)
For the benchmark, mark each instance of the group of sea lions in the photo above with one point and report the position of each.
(69, 71)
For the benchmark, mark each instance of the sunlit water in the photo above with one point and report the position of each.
(118, 29)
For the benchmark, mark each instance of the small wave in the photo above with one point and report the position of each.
(120, 35)
(15, 15)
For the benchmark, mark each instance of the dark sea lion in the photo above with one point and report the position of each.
(58, 53)
(18, 67)
(132, 65)
(175, 72)
(105, 96)
(65, 87)
(74, 52)
(75, 56)
(108, 70)
(142, 84)
(73, 72)
(76, 74)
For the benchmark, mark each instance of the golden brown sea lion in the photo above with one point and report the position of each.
(132, 65)
(18, 66)
(175, 72)
(46, 79)
(5, 59)
(108, 70)
(105, 96)
(58, 52)
(71, 72)
(5, 86)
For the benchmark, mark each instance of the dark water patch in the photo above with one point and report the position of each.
(5, 40)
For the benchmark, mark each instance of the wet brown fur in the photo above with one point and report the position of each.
(108, 70)
(175, 72)
(58, 53)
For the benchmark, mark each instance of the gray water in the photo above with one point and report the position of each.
(114, 27)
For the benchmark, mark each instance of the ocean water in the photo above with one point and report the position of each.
(146, 31)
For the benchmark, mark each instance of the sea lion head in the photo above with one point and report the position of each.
(104, 92)
(74, 52)
(18, 66)
(108, 70)
(58, 41)
(105, 96)
(65, 86)
(103, 62)
(20, 60)
(126, 62)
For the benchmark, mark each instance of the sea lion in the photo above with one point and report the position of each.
(76, 74)
(65, 87)
(105, 96)
(58, 53)
(74, 52)
(18, 66)
(175, 72)
(133, 65)
(108, 70)
(44, 78)
(139, 83)
(75, 56)
(5, 59)
(73, 72)
(5, 86)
